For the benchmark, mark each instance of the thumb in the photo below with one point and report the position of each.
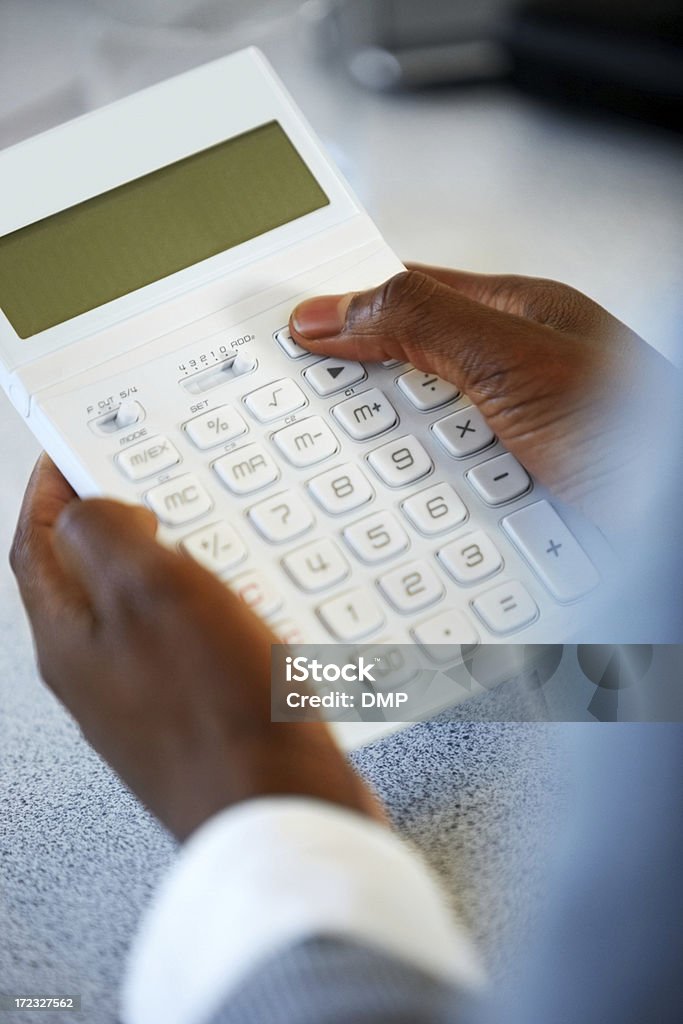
(418, 319)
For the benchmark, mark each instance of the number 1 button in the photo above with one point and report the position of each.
(352, 615)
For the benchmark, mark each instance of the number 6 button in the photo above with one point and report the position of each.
(435, 510)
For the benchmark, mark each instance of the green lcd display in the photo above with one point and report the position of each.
(141, 232)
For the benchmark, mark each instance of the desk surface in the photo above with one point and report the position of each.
(480, 179)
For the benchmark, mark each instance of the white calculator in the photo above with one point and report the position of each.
(151, 253)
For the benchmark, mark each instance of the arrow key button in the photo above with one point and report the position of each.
(332, 375)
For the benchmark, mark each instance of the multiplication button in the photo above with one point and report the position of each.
(179, 501)
(215, 427)
(147, 458)
(217, 547)
(463, 433)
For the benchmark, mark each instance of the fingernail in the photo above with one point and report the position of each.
(322, 317)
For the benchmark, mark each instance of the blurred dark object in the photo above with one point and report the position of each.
(624, 56)
(619, 55)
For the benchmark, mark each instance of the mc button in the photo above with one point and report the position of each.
(179, 501)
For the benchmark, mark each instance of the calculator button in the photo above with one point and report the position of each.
(442, 636)
(341, 489)
(332, 375)
(554, 553)
(281, 517)
(435, 510)
(425, 390)
(352, 615)
(366, 415)
(275, 400)
(471, 558)
(499, 480)
(179, 500)
(286, 342)
(306, 442)
(147, 458)
(411, 587)
(129, 412)
(464, 432)
(246, 469)
(215, 427)
(317, 566)
(216, 547)
(400, 462)
(506, 608)
(377, 537)
(257, 593)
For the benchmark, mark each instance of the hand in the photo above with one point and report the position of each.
(567, 388)
(166, 671)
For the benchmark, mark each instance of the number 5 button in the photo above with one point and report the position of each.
(376, 538)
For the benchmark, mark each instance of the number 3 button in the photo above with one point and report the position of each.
(471, 558)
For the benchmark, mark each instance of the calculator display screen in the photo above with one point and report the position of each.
(142, 231)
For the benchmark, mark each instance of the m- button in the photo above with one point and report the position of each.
(179, 500)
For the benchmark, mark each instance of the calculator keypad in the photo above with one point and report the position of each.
(179, 501)
(275, 400)
(401, 462)
(215, 427)
(471, 558)
(342, 489)
(377, 537)
(217, 547)
(147, 458)
(281, 517)
(499, 480)
(366, 415)
(426, 391)
(331, 375)
(317, 566)
(435, 510)
(506, 608)
(352, 615)
(463, 433)
(412, 587)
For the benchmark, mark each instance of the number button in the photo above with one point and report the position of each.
(257, 593)
(286, 342)
(506, 608)
(443, 636)
(317, 566)
(342, 489)
(401, 461)
(499, 480)
(426, 391)
(471, 558)
(215, 427)
(275, 400)
(281, 517)
(464, 432)
(331, 375)
(217, 547)
(147, 458)
(411, 587)
(306, 442)
(435, 510)
(366, 415)
(553, 551)
(352, 615)
(179, 501)
(247, 469)
(377, 537)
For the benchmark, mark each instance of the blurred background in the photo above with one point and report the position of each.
(538, 138)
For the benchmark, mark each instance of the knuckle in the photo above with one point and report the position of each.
(550, 303)
(394, 303)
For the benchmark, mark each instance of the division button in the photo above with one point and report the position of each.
(147, 458)
(332, 375)
(552, 550)
(425, 390)
(366, 415)
(217, 547)
(464, 432)
(499, 480)
(506, 608)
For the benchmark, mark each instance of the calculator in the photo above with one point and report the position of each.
(151, 253)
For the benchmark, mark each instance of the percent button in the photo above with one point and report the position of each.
(215, 427)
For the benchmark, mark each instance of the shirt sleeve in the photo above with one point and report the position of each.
(271, 873)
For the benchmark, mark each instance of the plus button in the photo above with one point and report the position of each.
(553, 549)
